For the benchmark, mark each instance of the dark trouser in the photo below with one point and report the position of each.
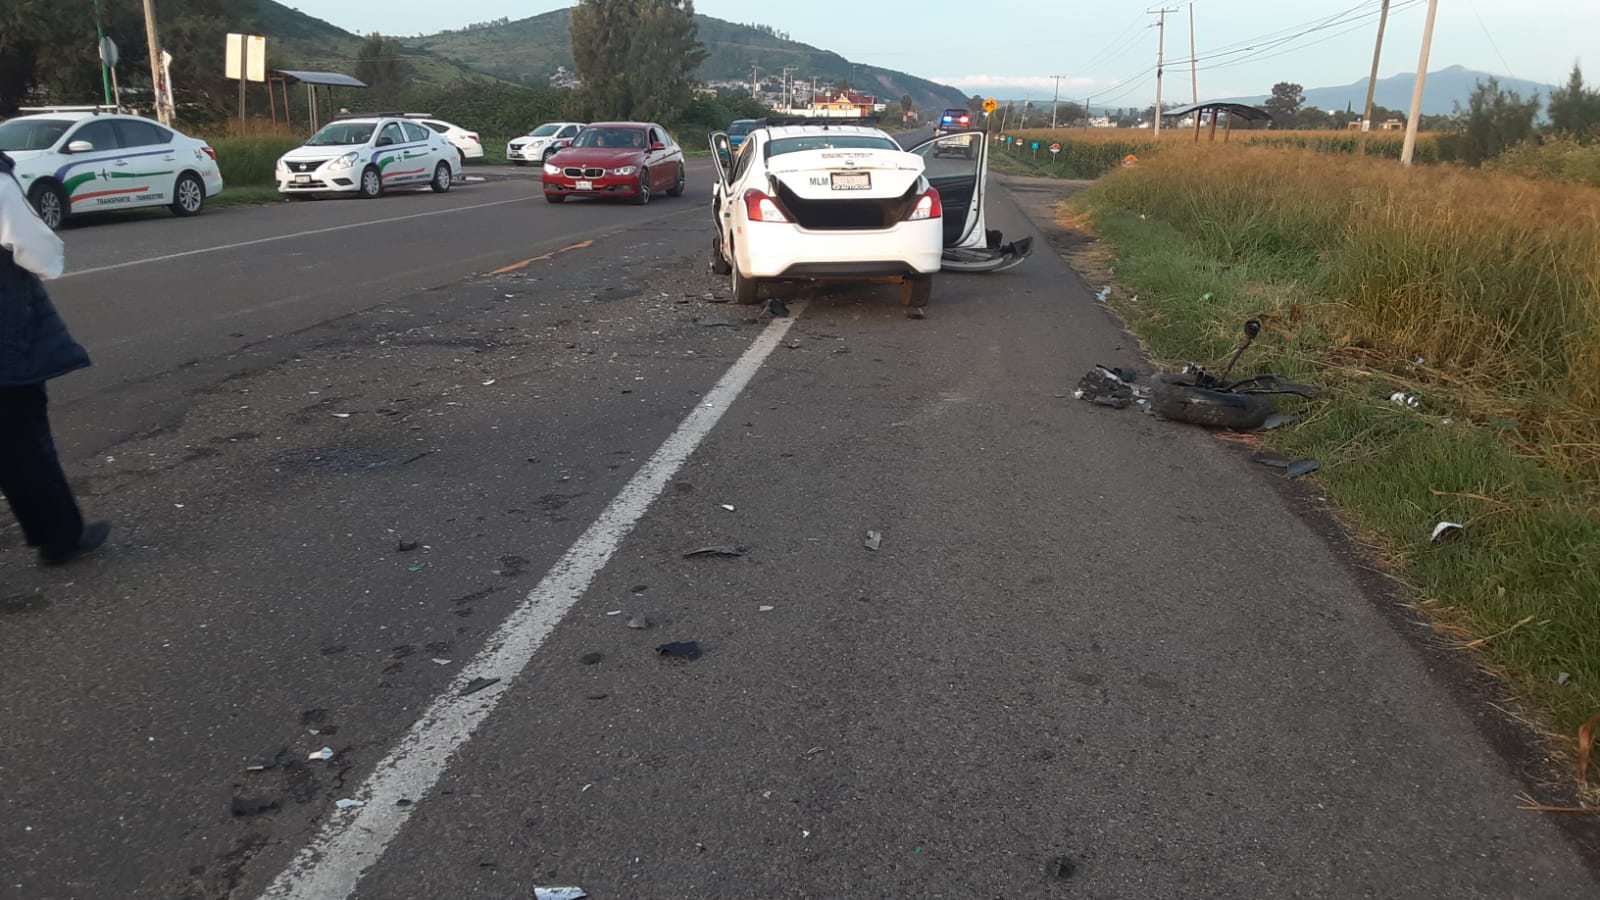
(30, 474)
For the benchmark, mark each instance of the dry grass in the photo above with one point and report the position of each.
(1492, 281)
(1091, 152)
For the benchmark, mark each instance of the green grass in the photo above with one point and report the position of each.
(1524, 576)
(244, 195)
(249, 160)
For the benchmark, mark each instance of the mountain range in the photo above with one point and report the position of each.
(1440, 92)
(528, 51)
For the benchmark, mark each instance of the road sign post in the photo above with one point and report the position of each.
(1055, 153)
(108, 63)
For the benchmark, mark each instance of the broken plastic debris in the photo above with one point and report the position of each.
(763, 609)
(350, 804)
(325, 753)
(614, 612)
(1401, 398)
(341, 415)
(406, 546)
(1104, 294)
(478, 684)
(680, 650)
(728, 507)
(441, 662)
(719, 550)
(639, 623)
(1563, 678)
(1444, 528)
(874, 540)
(489, 382)
(1302, 467)
(559, 893)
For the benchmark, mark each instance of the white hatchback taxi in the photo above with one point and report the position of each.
(76, 161)
(367, 155)
(819, 200)
(541, 143)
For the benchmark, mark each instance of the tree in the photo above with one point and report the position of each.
(1286, 100)
(378, 63)
(906, 103)
(636, 58)
(1575, 109)
(1494, 120)
(975, 104)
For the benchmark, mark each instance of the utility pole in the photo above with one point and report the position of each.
(1194, 64)
(1161, 52)
(1055, 101)
(788, 87)
(1416, 91)
(754, 92)
(162, 112)
(1372, 83)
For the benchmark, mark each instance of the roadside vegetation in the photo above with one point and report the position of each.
(1476, 291)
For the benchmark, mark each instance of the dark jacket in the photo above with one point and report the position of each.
(35, 345)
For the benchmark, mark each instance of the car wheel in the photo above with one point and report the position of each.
(642, 195)
(556, 198)
(51, 204)
(916, 290)
(677, 188)
(548, 152)
(719, 265)
(188, 195)
(746, 291)
(441, 178)
(371, 183)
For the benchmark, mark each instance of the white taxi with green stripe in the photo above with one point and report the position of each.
(367, 155)
(78, 160)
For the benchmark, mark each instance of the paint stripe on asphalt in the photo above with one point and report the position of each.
(551, 255)
(285, 237)
(352, 841)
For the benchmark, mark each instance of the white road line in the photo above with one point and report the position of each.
(286, 237)
(352, 841)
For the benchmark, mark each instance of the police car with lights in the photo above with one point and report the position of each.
(79, 159)
(367, 155)
(953, 121)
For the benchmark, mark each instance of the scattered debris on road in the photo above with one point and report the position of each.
(874, 540)
(559, 893)
(778, 309)
(350, 804)
(590, 659)
(640, 588)
(1443, 529)
(728, 507)
(272, 759)
(680, 650)
(407, 546)
(1063, 867)
(1401, 398)
(763, 609)
(478, 684)
(719, 550)
(326, 753)
(639, 623)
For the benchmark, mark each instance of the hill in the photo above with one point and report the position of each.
(528, 51)
(299, 41)
(1440, 93)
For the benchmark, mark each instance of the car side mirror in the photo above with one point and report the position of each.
(658, 146)
(80, 147)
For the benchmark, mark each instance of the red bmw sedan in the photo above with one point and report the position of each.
(632, 160)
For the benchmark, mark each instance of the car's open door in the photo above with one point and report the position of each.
(957, 165)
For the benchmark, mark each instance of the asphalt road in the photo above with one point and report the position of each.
(1061, 649)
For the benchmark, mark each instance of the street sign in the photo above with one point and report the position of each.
(1036, 146)
(245, 58)
(989, 105)
(1055, 148)
(108, 52)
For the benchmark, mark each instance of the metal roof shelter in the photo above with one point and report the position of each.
(1241, 110)
(312, 80)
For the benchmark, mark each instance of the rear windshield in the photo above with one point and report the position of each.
(32, 134)
(742, 127)
(829, 142)
(340, 134)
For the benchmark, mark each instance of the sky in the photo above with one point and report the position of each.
(1105, 51)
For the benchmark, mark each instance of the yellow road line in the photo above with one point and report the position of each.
(527, 262)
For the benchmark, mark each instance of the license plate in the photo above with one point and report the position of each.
(584, 186)
(302, 179)
(852, 181)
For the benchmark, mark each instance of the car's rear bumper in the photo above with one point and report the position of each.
(470, 150)
(612, 185)
(774, 250)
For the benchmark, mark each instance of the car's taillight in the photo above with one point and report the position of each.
(210, 152)
(928, 207)
(474, 138)
(761, 208)
(965, 120)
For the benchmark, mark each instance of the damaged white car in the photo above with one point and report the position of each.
(822, 200)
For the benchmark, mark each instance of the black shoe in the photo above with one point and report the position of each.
(93, 536)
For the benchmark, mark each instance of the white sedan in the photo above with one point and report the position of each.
(467, 143)
(541, 143)
(367, 155)
(820, 201)
(75, 161)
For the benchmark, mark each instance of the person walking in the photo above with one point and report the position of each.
(34, 348)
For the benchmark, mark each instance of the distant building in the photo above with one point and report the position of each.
(565, 79)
